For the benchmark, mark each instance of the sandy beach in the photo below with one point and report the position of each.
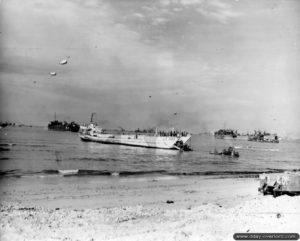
(141, 208)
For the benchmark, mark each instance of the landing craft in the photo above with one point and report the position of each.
(63, 62)
(162, 140)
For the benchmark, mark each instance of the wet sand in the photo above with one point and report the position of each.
(140, 208)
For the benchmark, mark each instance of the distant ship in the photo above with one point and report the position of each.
(163, 140)
(58, 125)
(63, 126)
(263, 137)
(226, 134)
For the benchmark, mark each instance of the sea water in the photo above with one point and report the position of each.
(36, 151)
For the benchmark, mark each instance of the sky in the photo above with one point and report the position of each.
(197, 65)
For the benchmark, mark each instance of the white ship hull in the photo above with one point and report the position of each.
(162, 142)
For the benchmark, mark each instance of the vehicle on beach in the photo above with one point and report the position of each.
(159, 139)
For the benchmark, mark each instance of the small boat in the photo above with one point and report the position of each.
(229, 152)
(171, 140)
(74, 127)
(259, 136)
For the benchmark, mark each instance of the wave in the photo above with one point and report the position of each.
(4, 158)
(232, 173)
(34, 145)
(77, 172)
(84, 172)
(7, 144)
(257, 148)
(10, 173)
(94, 159)
(4, 149)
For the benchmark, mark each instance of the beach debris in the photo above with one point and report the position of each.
(278, 215)
(219, 205)
(150, 96)
(278, 184)
(52, 73)
(27, 209)
(169, 201)
(34, 82)
(63, 62)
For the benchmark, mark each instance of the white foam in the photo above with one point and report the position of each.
(68, 172)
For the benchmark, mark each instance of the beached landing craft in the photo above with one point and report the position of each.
(171, 141)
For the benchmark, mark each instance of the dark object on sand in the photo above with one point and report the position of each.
(277, 184)
(229, 152)
(169, 201)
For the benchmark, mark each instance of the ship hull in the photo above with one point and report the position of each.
(161, 142)
(225, 137)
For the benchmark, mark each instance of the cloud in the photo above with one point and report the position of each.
(138, 15)
(158, 21)
(218, 11)
(212, 9)
(184, 53)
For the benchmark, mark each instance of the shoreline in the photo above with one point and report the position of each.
(148, 208)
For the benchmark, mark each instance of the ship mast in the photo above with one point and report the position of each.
(92, 116)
